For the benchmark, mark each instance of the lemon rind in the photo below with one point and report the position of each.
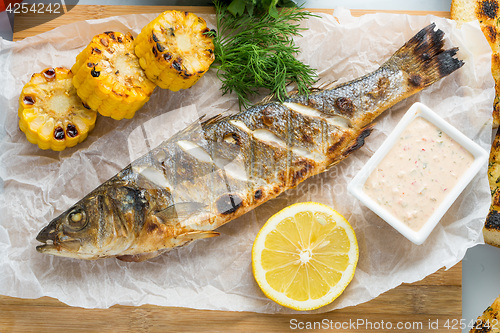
(281, 298)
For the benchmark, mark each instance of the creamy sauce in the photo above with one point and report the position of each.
(417, 173)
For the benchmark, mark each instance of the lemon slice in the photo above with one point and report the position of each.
(305, 256)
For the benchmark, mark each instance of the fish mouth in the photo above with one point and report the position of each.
(47, 236)
(59, 248)
(53, 244)
(47, 247)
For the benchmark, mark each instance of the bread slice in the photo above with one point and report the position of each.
(463, 10)
(491, 230)
(488, 14)
(489, 321)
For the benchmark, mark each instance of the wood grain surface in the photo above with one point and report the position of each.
(31, 24)
(424, 306)
(435, 299)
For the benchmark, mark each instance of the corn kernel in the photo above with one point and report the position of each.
(114, 80)
(174, 45)
(48, 109)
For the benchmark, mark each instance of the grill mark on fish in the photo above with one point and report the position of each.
(139, 208)
(270, 154)
(151, 227)
(336, 145)
(360, 140)
(271, 139)
(345, 106)
(229, 203)
(276, 145)
(416, 80)
(290, 143)
(239, 152)
(251, 166)
(102, 220)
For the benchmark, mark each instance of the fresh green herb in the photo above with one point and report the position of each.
(258, 51)
(257, 7)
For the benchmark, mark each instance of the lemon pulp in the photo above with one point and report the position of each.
(305, 256)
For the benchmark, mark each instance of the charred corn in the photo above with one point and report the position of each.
(108, 76)
(50, 112)
(175, 50)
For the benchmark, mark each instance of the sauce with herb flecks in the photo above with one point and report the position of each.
(417, 173)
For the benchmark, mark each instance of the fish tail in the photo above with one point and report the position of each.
(424, 59)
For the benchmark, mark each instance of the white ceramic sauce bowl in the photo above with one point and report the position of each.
(480, 157)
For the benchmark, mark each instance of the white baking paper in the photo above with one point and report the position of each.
(216, 273)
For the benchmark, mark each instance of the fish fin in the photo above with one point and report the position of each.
(325, 85)
(197, 125)
(212, 120)
(267, 99)
(194, 235)
(424, 58)
(141, 256)
(180, 211)
(358, 142)
(189, 236)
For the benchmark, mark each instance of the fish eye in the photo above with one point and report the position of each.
(77, 219)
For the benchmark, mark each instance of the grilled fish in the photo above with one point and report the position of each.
(207, 175)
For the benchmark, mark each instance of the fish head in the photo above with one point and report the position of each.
(89, 229)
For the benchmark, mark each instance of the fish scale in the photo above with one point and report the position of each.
(216, 171)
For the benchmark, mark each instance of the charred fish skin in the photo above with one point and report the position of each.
(416, 65)
(216, 171)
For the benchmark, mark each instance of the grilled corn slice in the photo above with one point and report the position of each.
(175, 50)
(108, 76)
(50, 112)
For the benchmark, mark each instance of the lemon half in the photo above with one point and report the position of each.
(305, 256)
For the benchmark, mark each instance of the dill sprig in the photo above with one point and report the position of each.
(258, 51)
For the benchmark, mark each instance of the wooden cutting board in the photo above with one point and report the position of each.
(433, 304)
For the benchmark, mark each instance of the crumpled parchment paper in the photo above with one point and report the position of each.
(216, 273)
